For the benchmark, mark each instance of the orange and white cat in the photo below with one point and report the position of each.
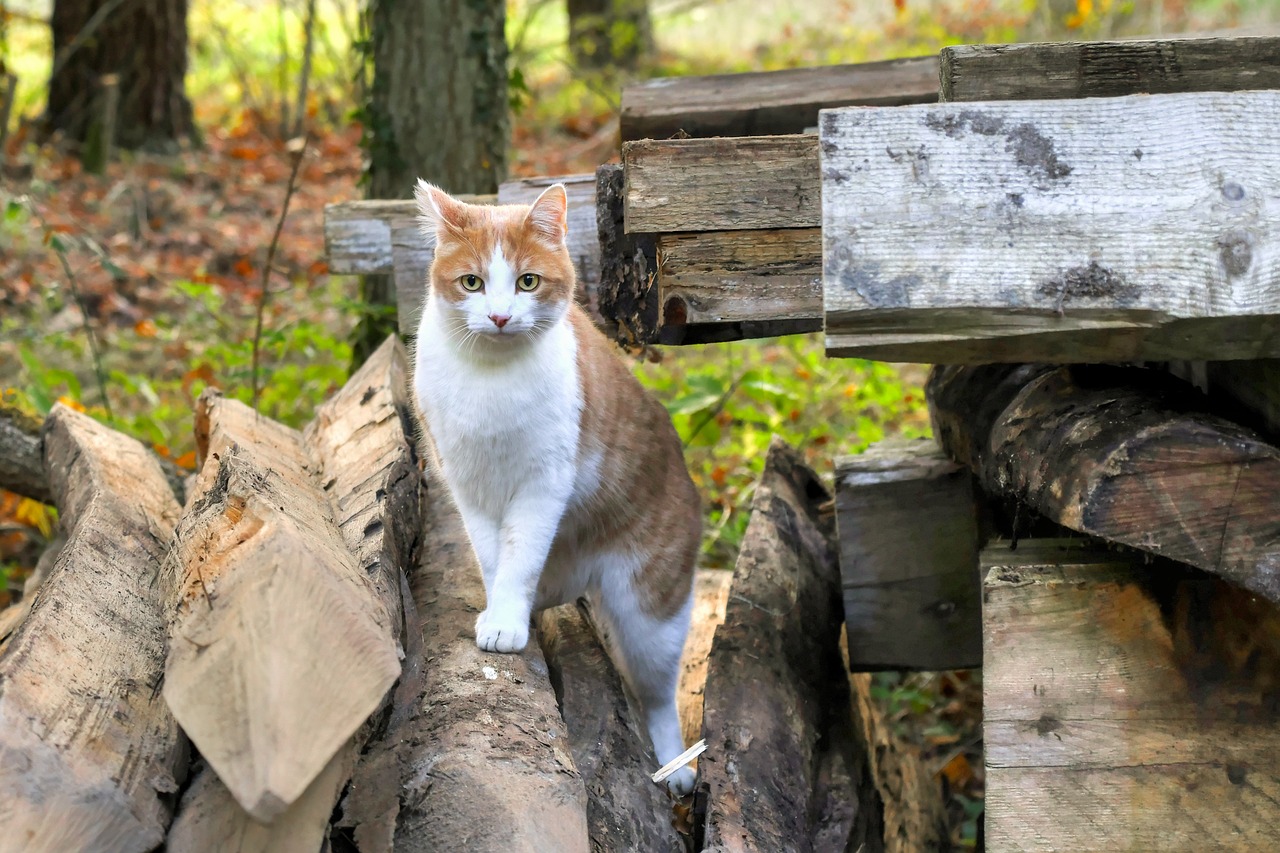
(569, 477)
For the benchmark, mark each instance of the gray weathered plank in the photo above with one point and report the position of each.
(726, 184)
(764, 103)
(998, 72)
(908, 558)
(1126, 706)
(954, 233)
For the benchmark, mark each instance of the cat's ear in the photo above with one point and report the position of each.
(549, 214)
(437, 210)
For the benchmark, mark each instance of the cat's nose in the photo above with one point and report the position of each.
(499, 320)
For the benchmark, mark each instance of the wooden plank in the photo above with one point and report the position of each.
(726, 184)
(370, 476)
(626, 810)
(274, 611)
(710, 597)
(780, 759)
(1121, 711)
(90, 756)
(1125, 454)
(908, 558)
(998, 72)
(765, 103)
(953, 233)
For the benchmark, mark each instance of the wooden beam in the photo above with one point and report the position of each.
(727, 184)
(1124, 454)
(1126, 706)
(953, 234)
(908, 558)
(90, 755)
(1098, 69)
(765, 103)
(626, 810)
(251, 665)
(781, 762)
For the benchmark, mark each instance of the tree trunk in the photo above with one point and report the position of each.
(145, 43)
(607, 34)
(437, 110)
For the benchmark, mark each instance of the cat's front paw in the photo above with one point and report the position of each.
(501, 634)
(681, 782)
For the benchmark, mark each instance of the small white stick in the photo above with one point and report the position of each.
(680, 760)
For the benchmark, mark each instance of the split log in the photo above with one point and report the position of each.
(710, 597)
(626, 810)
(1126, 706)
(997, 72)
(908, 558)
(371, 479)
(952, 234)
(478, 756)
(780, 760)
(89, 754)
(1124, 454)
(765, 103)
(726, 184)
(273, 611)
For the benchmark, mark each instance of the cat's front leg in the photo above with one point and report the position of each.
(528, 528)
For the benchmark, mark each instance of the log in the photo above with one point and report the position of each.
(764, 103)
(952, 233)
(21, 470)
(371, 479)
(998, 72)
(626, 810)
(908, 530)
(727, 184)
(1126, 706)
(1124, 454)
(710, 597)
(780, 761)
(479, 752)
(273, 611)
(628, 264)
(90, 757)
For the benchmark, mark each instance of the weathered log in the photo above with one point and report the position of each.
(1126, 706)
(273, 611)
(908, 558)
(626, 810)
(952, 234)
(89, 754)
(371, 479)
(1124, 454)
(478, 754)
(628, 265)
(764, 103)
(998, 72)
(780, 760)
(710, 597)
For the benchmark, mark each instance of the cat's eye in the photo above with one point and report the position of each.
(529, 282)
(471, 283)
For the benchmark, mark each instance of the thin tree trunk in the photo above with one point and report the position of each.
(437, 110)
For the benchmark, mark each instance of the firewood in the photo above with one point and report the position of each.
(781, 761)
(710, 597)
(1124, 454)
(89, 754)
(626, 810)
(273, 611)
(371, 480)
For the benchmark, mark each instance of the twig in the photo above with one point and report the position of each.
(298, 148)
(300, 112)
(284, 70)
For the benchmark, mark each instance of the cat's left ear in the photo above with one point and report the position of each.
(437, 210)
(549, 214)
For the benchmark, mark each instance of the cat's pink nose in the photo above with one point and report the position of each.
(499, 320)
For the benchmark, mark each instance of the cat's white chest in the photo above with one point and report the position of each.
(501, 427)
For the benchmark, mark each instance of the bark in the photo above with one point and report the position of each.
(145, 43)
(437, 110)
(610, 34)
(21, 470)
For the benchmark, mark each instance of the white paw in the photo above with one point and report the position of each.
(501, 634)
(681, 782)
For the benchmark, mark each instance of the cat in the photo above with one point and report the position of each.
(569, 477)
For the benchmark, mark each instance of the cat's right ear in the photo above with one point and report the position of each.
(437, 210)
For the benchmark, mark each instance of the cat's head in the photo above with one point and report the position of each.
(502, 274)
